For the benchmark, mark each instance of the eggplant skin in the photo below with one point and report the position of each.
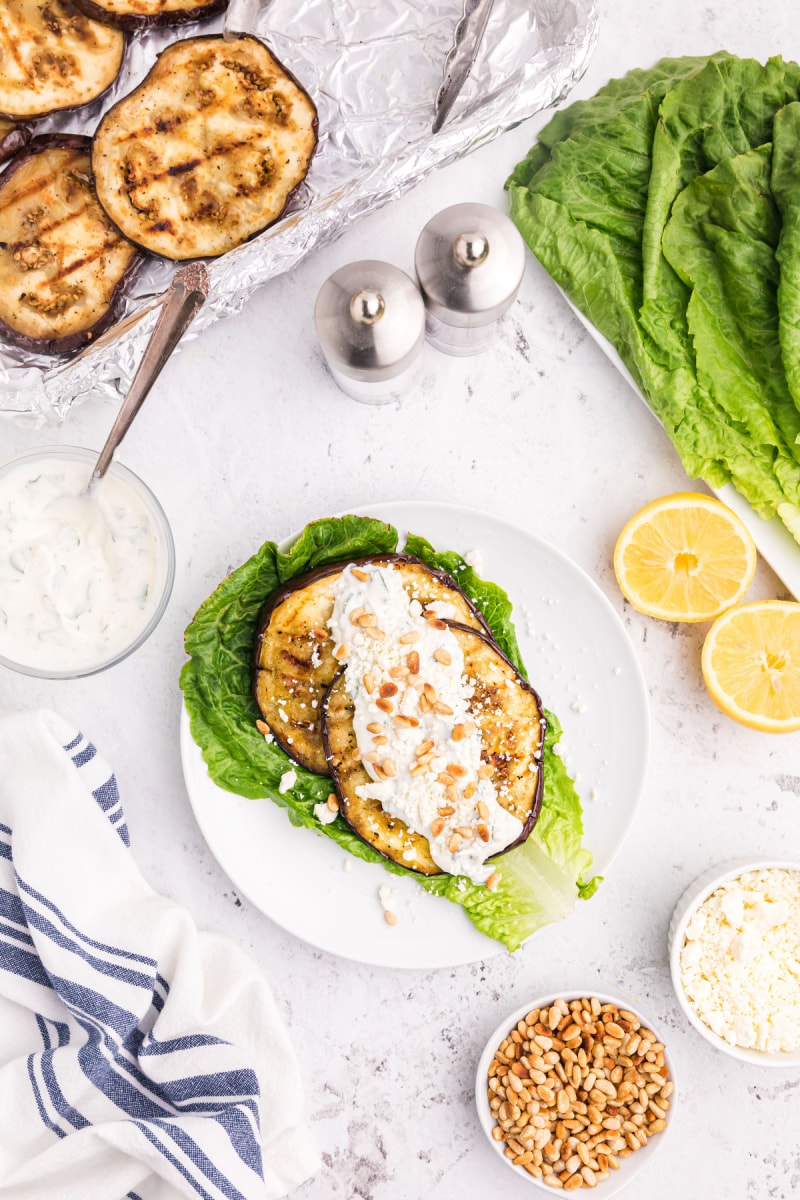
(292, 667)
(513, 727)
(12, 138)
(207, 151)
(64, 267)
(146, 14)
(53, 58)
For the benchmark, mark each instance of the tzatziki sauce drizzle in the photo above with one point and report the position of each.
(419, 743)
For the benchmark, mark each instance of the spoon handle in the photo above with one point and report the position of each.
(186, 294)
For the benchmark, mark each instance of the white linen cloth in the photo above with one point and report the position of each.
(139, 1057)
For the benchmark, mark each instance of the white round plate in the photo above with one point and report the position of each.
(581, 662)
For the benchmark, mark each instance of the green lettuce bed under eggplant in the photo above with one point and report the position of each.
(540, 880)
(294, 663)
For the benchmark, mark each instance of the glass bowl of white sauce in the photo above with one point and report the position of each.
(85, 576)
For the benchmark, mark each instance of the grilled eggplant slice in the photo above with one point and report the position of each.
(512, 723)
(52, 57)
(63, 265)
(12, 138)
(207, 151)
(294, 661)
(142, 14)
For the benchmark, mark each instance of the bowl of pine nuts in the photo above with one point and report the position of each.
(574, 1090)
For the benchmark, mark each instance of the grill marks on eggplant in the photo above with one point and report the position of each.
(52, 57)
(207, 151)
(512, 724)
(294, 661)
(62, 262)
(137, 14)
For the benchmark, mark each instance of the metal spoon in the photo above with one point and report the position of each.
(185, 295)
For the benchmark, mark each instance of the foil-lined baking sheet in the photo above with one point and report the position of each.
(373, 69)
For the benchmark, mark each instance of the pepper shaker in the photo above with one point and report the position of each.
(370, 321)
(469, 260)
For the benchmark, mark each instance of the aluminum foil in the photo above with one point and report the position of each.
(373, 70)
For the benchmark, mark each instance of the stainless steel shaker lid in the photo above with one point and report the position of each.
(469, 260)
(370, 320)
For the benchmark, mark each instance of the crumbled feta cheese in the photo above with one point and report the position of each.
(288, 780)
(740, 962)
(324, 814)
(578, 706)
(473, 559)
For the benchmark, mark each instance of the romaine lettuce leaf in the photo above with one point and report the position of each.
(540, 880)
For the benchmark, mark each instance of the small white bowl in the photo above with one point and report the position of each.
(629, 1167)
(694, 895)
(163, 549)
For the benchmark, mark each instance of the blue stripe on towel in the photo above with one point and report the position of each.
(5, 851)
(129, 955)
(39, 1103)
(84, 756)
(27, 965)
(11, 908)
(5, 829)
(147, 1130)
(9, 932)
(107, 795)
(101, 965)
(76, 741)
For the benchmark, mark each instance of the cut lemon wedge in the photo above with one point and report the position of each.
(751, 665)
(685, 557)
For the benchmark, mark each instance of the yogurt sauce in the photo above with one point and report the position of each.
(416, 796)
(81, 574)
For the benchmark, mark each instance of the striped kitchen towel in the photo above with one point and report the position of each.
(139, 1058)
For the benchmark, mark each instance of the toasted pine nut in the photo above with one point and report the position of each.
(262, 727)
(483, 833)
(374, 727)
(377, 635)
(423, 748)
(437, 825)
(389, 767)
(384, 705)
(430, 691)
(391, 919)
(455, 843)
(341, 652)
(493, 881)
(452, 793)
(412, 661)
(380, 740)
(333, 802)
(485, 770)
(369, 683)
(443, 709)
(406, 639)
(443, 657)
(466, 832)
(455, 769)
(387, 690)
(425, 705)
(355, 614)
(363, 576)
(458, 733)
(470, 790)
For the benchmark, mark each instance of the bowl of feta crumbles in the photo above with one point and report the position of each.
(734, 943)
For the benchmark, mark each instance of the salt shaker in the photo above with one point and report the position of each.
(469, 260)
(370, 321)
